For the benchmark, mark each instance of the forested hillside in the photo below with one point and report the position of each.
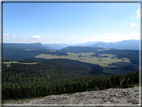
(11, 53)
(25, 46)
(58, 76)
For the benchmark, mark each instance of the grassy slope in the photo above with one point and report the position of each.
(86, 57)
(105, 60)
(8, 63)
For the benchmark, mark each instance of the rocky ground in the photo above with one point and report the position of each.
(110, 96)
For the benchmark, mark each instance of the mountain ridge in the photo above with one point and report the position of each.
(125, 44)
(25, 45)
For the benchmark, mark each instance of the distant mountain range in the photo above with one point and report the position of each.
(56, 46)
(126, 44)
(87, 43)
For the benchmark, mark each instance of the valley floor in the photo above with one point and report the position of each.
(128, 96)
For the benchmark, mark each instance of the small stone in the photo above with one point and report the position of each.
(134, 102)
(105, 100)
(108, 102)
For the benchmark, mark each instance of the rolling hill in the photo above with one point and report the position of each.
(15, 53)
(80, 49)
(25, 46)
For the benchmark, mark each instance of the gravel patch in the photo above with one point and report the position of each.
(108, 96)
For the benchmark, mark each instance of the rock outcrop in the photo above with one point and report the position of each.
(108, 96)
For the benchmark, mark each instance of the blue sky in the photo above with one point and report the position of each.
(70, 23)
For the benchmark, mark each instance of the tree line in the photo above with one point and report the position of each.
(59, 76)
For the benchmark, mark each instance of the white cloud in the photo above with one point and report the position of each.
(13, 36)
(36, 37)
(7, 35)
(138, 13)
(133, 24)
(106, 34)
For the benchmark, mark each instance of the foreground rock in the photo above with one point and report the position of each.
(109, 96)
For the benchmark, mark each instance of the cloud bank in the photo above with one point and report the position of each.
(13, 36)
(6, 35)
(36, 37)
(138, 13)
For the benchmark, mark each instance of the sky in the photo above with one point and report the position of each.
(70, 23)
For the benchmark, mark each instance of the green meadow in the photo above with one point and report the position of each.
(109, 62)
(8, 63)
(87, 57)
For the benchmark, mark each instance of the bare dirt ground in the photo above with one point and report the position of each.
(128, 96)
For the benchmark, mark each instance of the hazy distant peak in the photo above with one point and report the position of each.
(125, 44)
